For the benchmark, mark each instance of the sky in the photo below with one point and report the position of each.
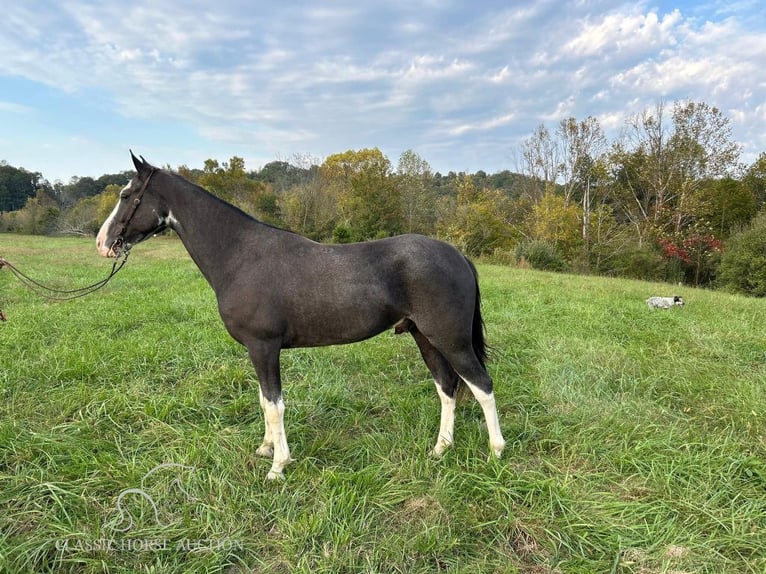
(462, 84)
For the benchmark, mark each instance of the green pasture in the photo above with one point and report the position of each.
(129, 419)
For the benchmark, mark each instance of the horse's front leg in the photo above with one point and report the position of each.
(265, 358)
(267, 446)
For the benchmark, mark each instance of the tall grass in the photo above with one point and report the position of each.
(635, 437)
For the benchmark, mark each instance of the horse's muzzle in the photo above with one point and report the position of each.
(112, 250)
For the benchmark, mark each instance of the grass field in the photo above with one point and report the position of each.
(636, 438)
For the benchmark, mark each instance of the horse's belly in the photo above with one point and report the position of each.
(338, 329)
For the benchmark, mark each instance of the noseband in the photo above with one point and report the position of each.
(119, 242)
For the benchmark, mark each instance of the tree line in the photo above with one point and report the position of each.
(668, 199)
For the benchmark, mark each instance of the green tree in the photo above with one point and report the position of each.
(661, 166)
(310, 209)
(726, 204)
(81, 218)
(369, 199)
(755, 180)
(16, 186)
(607, 239)
(283, 176)
(39, 215)
(701, 149)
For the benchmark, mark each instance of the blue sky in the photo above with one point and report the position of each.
(461, 84)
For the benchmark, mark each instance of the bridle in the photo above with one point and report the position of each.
(119, 242)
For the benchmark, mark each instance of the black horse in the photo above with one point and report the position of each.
(277, 290)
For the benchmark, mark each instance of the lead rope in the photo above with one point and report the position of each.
(53, 294)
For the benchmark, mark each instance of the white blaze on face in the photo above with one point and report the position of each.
(103, 249)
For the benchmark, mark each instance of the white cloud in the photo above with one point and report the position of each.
(618, 33)
(427, 68)
(500, 76)
(483, 125)
(14, 108)
(444, 77)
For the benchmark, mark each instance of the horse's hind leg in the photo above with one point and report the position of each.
(473, 373)
(487, 401)
(446, 381)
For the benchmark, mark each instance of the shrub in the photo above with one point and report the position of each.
(638, 262)
(743, 263)
(341, 234)
(540, 255)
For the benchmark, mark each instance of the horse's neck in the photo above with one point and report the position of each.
(213, 232)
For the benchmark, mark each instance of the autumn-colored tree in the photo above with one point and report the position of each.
(310, 208)
(693, 254)
(107, 199)
(480, 224)
(557, 223)
(230, 182)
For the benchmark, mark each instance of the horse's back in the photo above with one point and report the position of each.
(418, 254)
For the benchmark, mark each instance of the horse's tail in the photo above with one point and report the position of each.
(479, 342)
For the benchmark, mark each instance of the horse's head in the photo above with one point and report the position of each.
(140, 213)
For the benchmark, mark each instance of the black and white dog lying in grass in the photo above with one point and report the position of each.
(664, 302)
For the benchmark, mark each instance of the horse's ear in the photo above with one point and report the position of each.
(141, 164)
(136, 162)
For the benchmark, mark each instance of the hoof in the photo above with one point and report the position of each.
(276, 476)
(276, 469)
(265, 450)
(439, 450)
(496, 452)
